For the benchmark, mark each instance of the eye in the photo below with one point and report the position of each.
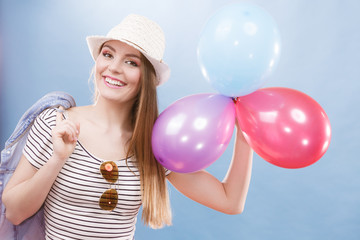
(132, 63)
(107, 54)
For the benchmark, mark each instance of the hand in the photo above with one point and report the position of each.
(64, 136)
(239, 132)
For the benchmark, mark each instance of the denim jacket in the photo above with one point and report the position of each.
(33, 227)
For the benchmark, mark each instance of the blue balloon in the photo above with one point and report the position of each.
(238, 49)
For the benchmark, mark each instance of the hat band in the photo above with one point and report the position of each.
(134, 44)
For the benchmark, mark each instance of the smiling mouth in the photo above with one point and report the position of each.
(114, 83)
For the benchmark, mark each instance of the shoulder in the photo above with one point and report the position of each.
(167, 171)
(48, 113)
(47, 117)
(78, 114)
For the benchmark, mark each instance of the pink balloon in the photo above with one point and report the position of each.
(285, 127)
(193, 132)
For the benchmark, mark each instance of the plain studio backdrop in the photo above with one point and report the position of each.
(43, 49)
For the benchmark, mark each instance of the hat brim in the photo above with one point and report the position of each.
(162, 70)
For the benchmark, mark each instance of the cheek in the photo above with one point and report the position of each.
(134, 76)
(99, 68)
(136, 82)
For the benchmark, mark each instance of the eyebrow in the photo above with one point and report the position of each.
(128, 54)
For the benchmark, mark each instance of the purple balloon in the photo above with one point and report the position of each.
(193, 132)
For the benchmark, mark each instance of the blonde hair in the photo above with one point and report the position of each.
(155, 200)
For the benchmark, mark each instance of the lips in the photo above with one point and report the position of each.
(113, 83)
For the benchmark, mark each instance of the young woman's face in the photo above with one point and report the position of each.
(117, 71)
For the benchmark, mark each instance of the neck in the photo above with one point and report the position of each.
(112, 114)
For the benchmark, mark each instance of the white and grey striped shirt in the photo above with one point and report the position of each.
(72, 207)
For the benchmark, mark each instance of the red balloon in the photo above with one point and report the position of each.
(284, 126)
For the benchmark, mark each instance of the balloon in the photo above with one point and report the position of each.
(285, 127)
(238, 49)
(193, 132)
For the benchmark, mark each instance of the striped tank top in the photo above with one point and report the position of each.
(72, 207)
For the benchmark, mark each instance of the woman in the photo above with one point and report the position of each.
(93, 166)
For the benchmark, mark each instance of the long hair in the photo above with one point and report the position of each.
(155, 199)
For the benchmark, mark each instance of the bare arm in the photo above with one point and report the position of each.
(28, 188)
(228, 196)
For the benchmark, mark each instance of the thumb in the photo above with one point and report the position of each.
(77, 128)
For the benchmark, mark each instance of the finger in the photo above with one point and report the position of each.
(68, 134)
(66, 130)
(75, 126)
(59, 114)
(72, 131)
(71, 135)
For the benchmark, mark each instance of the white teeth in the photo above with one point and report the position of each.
(113, 82)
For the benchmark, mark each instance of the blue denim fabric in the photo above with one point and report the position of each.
(33, 227)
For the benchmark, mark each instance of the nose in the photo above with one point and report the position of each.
(115, 66)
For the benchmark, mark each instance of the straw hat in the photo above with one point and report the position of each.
(140, 33)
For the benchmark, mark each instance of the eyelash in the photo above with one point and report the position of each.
(108, 55)
(132, 63)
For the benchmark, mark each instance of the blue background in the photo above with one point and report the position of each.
(43, 49)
